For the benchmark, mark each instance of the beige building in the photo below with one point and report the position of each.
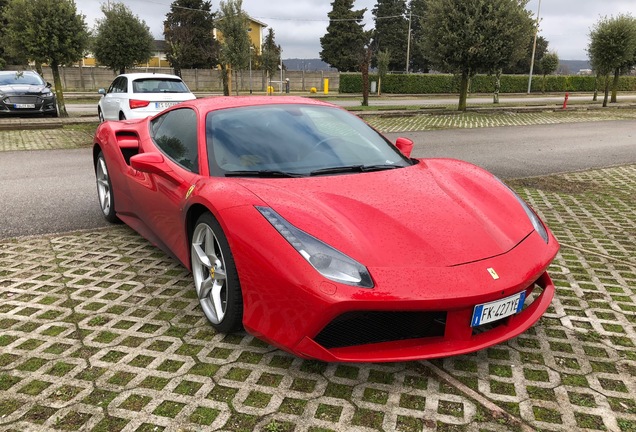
(158, 59)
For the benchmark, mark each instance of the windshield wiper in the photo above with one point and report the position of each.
(262, 173)
(352, 169)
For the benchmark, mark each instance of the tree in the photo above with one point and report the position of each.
(121, 39)
(522, 66)
(391, 31)
(612, 48)
(345, 38)
(189, 34)
(417, 12)
(235, 42)
(270, 57)
(470, 36)
(549, 64)
(383, 59)
(7, 57)
(49, 31)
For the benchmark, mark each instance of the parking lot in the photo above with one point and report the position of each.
(101, 331)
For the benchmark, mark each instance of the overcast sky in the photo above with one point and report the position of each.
(299, 24)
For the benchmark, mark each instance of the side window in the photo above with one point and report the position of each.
(175, 133)
(122, 87)
(113, 86)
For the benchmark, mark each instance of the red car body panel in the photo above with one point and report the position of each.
(428, 235)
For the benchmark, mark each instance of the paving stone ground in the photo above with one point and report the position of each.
(81, 135)
(100, 331)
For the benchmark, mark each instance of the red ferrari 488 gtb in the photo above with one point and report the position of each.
(308, 228)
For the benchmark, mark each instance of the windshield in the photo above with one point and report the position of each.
(291, 140)
(159, 85)
(12, 78)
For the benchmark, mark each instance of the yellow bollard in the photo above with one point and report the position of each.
(326, 86)
(270, 90)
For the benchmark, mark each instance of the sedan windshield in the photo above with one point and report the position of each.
(12, 78)
(290, 140)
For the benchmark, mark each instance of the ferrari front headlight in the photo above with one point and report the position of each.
(329, 262)
(534, 219)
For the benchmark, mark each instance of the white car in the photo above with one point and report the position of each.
(139, 95)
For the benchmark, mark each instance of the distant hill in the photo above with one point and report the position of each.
(308, 65)
(573, 66)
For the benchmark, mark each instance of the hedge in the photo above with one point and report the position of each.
(437, 83)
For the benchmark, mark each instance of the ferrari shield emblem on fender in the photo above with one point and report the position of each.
(189, 192)
(493, 273)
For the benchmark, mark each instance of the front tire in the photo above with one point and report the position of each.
(215, 278)
(105, 190)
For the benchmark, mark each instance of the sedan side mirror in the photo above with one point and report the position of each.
(101, 91)
(404, 145)
(154, 163)
(48, 84)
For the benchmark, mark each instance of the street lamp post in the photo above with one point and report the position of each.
(534, 48)
(251, 49)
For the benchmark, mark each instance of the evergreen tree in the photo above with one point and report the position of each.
(549, 64)
(49, 31)
(344, 42)
(522, 67)
(7, 55)
(391, 31)
(235, 42)
(270, 57)
(612, 49)
(121, 39)
(188, 31)
(417, 12)
(466, 37)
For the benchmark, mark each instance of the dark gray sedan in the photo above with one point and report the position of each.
(25, 92)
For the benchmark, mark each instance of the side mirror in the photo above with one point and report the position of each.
(154, 163)
(404, 145)
(48, 84)
(101, 91)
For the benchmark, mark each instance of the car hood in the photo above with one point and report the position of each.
(436, 213)
(22, 89)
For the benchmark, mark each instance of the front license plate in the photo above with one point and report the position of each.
(27, 106)
(164, 105)
(498, 309)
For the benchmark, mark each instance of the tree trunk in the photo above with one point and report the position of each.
(543, 84)
(225, 75)
(38, 68)
(122, 70)
(59, 94)
(463, 91)
(607, 86)
(495, 96)
(595, 98)
(379, 86)
(366, 59)
(617, 74)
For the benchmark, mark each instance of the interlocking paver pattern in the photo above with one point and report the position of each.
(472, 120)
(100, 331)
(82, 135)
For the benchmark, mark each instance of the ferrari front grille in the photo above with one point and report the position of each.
(367, 327)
